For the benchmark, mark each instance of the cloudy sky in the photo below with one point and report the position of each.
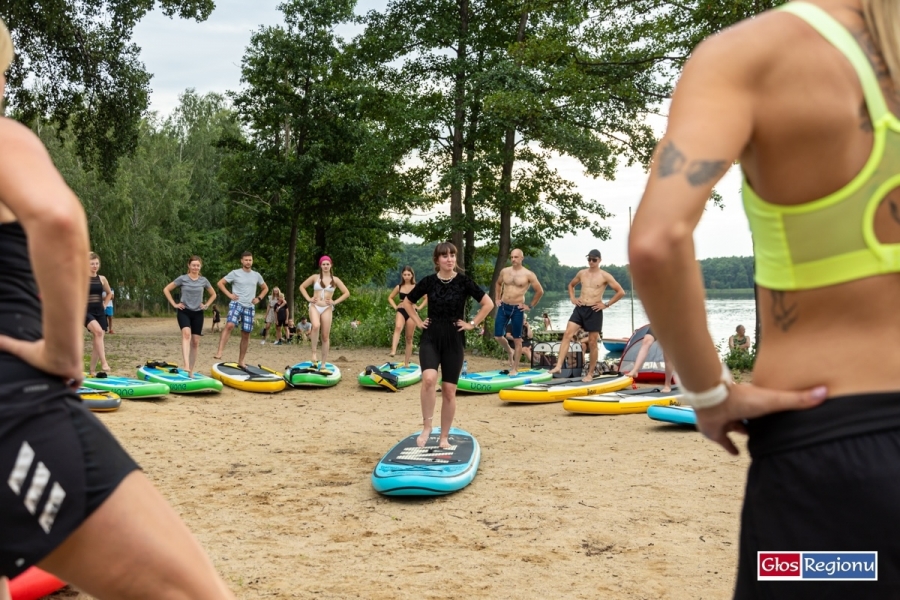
(206, 56)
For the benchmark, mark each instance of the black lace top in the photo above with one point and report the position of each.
(446, 301)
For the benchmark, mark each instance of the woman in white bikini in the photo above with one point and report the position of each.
(321, 306)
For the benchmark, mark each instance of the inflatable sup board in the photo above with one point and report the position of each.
(623, 402)
(308, 374)
(33, 584)
(127, 388)
(248, 378)
(491, 382)
(177, 379)
(406, 376)
(558, 390)
(407, 470)
(99, 401)
(679, 415)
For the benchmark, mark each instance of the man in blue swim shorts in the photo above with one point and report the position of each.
(242, 307)
(512, 284)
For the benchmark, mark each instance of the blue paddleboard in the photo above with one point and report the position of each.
(407, 470)
(679, 415)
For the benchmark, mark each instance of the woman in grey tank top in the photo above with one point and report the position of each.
(190, 309)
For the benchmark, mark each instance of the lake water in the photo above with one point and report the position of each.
(723, 315)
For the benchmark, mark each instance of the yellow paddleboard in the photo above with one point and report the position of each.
(624, 402)
(559, 389)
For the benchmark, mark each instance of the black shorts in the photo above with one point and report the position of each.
(281, 320)
(825, 479)
(526, 343)
(100, 318)
(442, 346)
(589, 319)
(192, 319)
(58, 464)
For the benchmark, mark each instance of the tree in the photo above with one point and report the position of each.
(315, 166)
(76, 66)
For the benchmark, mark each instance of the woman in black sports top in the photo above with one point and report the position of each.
(71, 500)
(443, 339)
(401, 317)
(99, 295)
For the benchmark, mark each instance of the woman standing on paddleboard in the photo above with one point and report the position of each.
(321, 307)
(806, 97)
(71, 500)
(401, 318)
(190, 309)
(443, 339)
(99, 293)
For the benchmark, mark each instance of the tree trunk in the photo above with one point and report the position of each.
(459, 116)
(471, 135)
(292, 258)
(509, 160)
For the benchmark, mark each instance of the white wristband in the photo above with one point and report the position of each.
(711, 397)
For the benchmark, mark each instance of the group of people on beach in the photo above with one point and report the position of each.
(805, 96)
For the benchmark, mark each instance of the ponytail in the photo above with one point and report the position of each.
(883, 21)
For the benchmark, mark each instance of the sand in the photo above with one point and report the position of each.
(277, 489)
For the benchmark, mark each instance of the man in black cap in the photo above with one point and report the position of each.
(589, 307)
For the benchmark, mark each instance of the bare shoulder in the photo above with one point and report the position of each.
(20, 143)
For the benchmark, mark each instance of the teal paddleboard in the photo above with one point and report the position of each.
(491, 382)
(177, 380)
(679, 415)
(406, 375)
(125, 387)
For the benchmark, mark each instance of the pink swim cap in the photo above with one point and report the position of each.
(324, 258)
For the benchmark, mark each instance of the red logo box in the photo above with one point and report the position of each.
(781, 565)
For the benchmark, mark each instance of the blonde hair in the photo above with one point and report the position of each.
(6, 48)
(883, 21)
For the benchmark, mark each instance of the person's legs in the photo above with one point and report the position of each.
(410, 336)
(195, 348)
(427, 400)
(109, 321)
(504, 313)
(233, 319)
(670, 372)
(593, 348)
(641, 355)
(316, 321)
(325, 320)
(245, 343)
(448, 411)
(186, 349)
(399, 323)
(4, 589)
(571, 330)
(136, 546)
(98, 348)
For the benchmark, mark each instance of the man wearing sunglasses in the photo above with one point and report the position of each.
(589, 307)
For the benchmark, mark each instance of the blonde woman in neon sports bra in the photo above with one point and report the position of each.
(805, 97)
(321, 306)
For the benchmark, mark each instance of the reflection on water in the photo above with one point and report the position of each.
(723, 315)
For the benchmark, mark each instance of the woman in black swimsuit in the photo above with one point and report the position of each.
(401, 319)
(99, 294)
(282, 313)
(443, 341)
(71, 500)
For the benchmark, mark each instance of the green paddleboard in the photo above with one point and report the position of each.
(406, 376)
(127, 388)
(177, 380)
(491, 382)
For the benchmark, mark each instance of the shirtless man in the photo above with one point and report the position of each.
(589, 307)
(512, 284)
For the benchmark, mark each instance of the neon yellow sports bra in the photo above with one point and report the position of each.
(831, 240)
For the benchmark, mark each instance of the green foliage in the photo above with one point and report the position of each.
(740, 360)
(76, 66)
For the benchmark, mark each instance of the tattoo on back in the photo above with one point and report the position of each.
(671, 160)
(783, 313)
(703, 171)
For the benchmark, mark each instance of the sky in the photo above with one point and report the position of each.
(206, 56)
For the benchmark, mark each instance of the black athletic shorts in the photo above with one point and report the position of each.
(58, 464)
(192, 319)
(442, 346)
(100, 318)
(825, 479)
(589, 319)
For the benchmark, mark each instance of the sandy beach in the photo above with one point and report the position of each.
(277, 489)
